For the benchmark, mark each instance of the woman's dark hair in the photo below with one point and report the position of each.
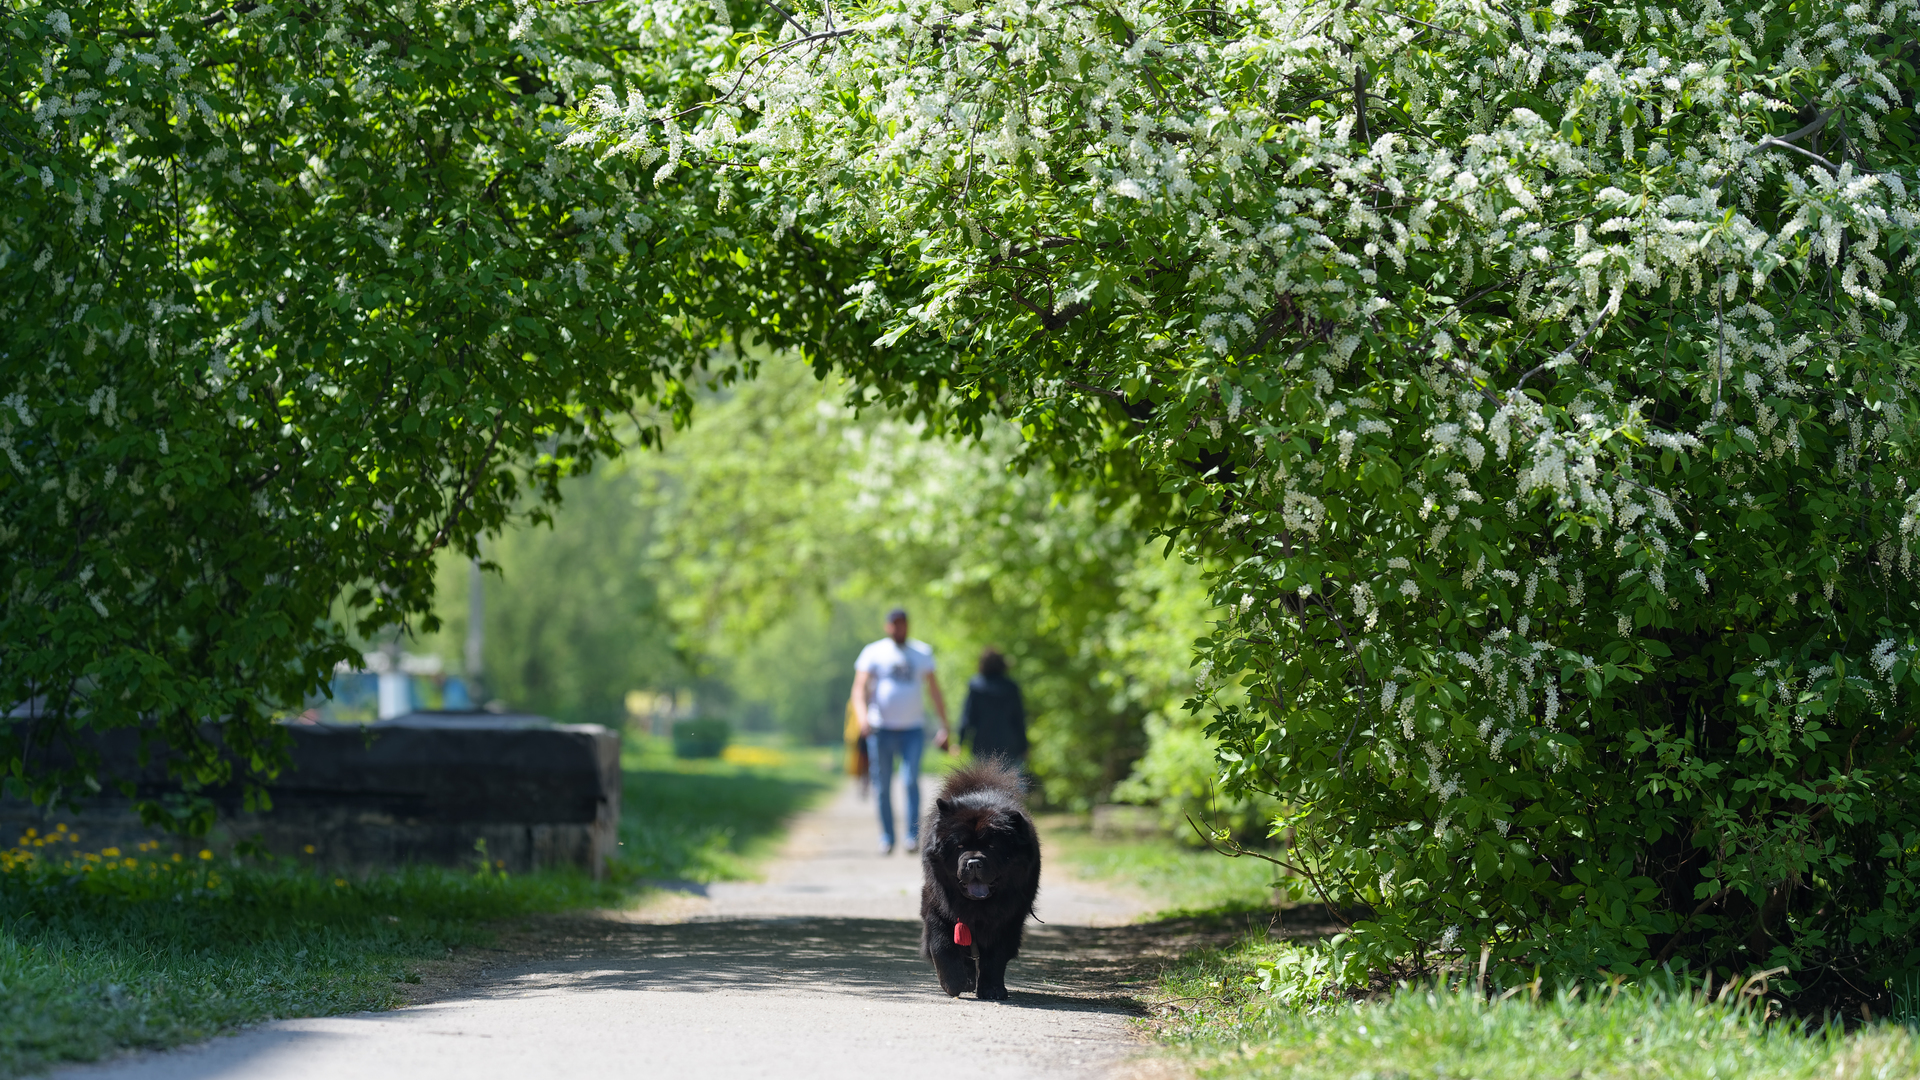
(992, 663)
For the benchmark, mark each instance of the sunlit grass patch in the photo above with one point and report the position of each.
(760, 757)
(710, 819)
(1177, 879)
(1256, 1010)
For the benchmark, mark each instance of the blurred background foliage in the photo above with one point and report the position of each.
(739, 570)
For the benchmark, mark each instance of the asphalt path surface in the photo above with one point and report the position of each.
(813, 972)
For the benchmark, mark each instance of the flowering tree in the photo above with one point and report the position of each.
(1539, 372)
(295, 296)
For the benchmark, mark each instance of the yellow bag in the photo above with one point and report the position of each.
(858, 763)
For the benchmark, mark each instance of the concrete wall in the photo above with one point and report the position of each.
(419, 789)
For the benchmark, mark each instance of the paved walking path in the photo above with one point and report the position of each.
(813, 973)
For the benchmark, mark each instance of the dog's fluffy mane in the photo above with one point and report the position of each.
(981, 776)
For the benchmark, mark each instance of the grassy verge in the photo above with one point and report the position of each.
(1254, 1011)
(1179, 880)
(107, 950)
(1257, 1010)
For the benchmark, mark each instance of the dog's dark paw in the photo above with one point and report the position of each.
(992, 993)
(956, 976)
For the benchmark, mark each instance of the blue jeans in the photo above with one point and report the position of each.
(883, 746)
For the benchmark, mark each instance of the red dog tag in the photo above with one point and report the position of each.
(962, 935)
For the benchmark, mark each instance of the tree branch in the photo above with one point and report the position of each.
(788, 15)
(1786, 142)
(1237, 850)
(1092, 389)
(460, 501)
(747, 68)
(1360, 101)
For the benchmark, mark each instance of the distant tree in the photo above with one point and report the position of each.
(782, 513)
(1540, 378)
(574, 618)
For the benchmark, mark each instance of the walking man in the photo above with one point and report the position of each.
(887, 682)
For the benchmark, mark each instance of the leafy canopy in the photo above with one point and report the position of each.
(295, 296)
(1541, 375)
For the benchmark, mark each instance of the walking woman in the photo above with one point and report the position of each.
(994, 719)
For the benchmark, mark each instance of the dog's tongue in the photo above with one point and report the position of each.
(978, 891)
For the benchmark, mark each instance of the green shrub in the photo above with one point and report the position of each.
(700, 738)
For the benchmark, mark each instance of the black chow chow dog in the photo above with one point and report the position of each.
(982, 866)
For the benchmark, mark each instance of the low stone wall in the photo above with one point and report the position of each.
(424, 788)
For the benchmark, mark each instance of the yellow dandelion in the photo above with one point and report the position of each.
(176, 856)
(308, 849)
(111, 853)
(130, 862)
(31, 833)
(205, 855)
(340, 882)
(753, 755)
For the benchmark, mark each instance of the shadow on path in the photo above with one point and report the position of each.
(1074, 968)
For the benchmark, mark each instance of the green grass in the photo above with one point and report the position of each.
(97, 955)
(1259, 1009)
(1180, 880)
(1255, 1011)
(711, 820)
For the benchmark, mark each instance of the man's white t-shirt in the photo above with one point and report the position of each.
(894, 675)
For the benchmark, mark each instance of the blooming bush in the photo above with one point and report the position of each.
(1538, 373)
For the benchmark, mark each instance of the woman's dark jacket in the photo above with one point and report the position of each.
(994, 719)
